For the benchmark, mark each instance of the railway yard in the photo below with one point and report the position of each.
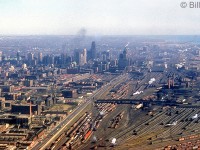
(141, 125)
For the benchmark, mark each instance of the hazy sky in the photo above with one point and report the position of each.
(105, 17)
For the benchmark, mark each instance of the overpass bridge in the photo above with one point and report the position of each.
(146, 102)
(133, 101)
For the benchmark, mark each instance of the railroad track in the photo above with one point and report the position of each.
(138, 125)
(155, 125)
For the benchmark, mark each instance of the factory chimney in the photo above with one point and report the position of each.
(30, 110)
(173, 80)
(169, 83)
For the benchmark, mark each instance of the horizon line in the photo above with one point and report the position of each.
(99, 35)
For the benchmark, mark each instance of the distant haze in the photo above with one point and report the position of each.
(97, 17)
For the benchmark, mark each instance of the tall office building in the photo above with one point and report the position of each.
(84, 55)
(80, 56)
(30, 58)
(48, 59)
(125, 53)
(77, 55)
(39, 57)
(93, 51)
(105, 55)
(18, 56)
(123, 60)
(63, 58)
(0, 56)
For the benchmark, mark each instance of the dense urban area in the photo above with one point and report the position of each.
(103, 92)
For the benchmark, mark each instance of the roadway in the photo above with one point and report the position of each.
(59, 129)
